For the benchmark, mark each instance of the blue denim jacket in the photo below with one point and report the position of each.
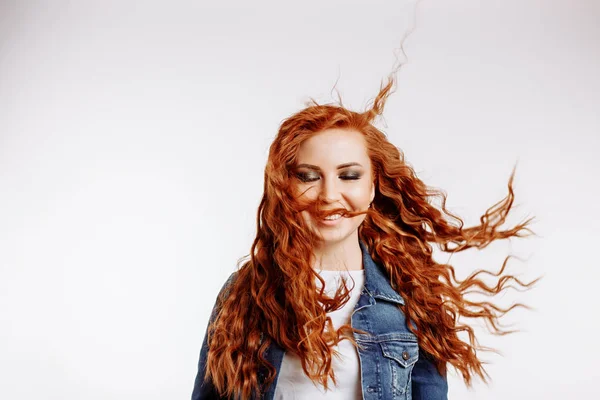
(392, 366)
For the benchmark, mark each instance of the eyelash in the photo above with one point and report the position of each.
(304, 177)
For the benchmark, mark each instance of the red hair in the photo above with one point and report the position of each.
(275, 292)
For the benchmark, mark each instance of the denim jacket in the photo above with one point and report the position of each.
(392, 366)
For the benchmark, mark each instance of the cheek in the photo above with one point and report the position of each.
(306, 192)
(360, 197)
(306, 217)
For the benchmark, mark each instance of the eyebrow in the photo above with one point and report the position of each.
(350, 164)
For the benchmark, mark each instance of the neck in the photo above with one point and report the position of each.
(339, 256)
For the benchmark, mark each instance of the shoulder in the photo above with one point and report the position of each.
(222, 296)
(225, 288)
(232, 277)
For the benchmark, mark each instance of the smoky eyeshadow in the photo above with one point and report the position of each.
(306, 176)
(351, 175)
(312, 176)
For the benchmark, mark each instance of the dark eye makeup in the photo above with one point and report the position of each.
(312, 176)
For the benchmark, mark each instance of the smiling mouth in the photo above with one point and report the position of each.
(330, 220)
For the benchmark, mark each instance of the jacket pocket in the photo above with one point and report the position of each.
(401, 356)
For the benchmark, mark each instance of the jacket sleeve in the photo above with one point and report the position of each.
(204, 390)
(427, 383)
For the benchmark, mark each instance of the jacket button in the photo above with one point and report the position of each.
(405, 355)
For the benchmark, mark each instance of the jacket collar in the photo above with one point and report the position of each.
(376, 286)
(376, 282)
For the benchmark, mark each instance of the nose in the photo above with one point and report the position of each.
(330, 192)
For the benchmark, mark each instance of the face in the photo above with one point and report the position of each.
(333, 165)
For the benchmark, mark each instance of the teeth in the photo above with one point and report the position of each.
(333, 217)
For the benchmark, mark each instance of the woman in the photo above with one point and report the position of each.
(339, 205)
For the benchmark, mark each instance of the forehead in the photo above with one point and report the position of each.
(333, 147)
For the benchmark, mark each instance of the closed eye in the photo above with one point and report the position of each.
(350, 177)
(312, 177)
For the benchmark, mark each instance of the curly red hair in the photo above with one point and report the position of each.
(274, 293)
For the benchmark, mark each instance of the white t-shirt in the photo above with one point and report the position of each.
(293, 383)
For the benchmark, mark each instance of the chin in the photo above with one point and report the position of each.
(333, 236)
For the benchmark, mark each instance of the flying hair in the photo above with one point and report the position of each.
(274, 298)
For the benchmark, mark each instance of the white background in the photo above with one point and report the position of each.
(134, 134)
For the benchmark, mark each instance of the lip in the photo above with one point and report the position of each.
(330, 223)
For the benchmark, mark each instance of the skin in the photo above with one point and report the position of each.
(339, 248)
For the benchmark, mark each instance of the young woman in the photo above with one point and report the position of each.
(340, 297)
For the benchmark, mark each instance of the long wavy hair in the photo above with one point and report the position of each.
(274, 297)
